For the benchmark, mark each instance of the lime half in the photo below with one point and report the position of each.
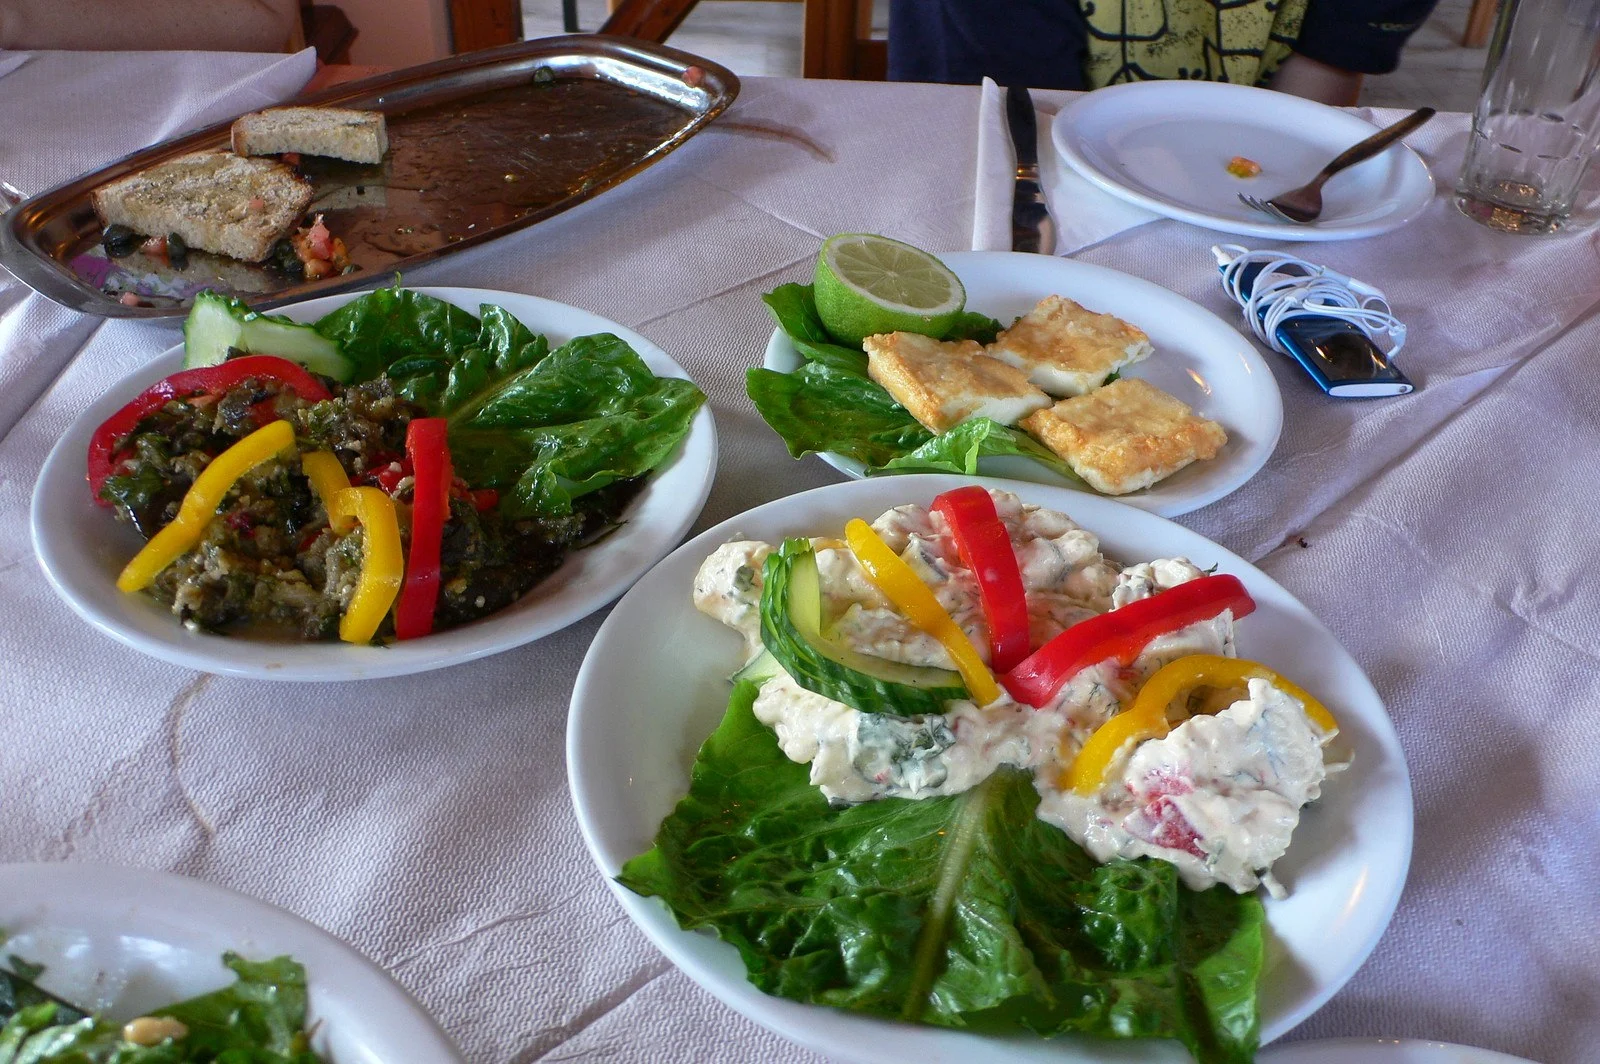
(868, 284)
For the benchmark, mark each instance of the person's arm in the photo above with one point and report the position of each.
(1300, 75)
(145, 25)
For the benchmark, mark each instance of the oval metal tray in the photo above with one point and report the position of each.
(480, 145)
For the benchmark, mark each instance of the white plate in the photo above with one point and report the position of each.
(82, 547)
(653, 687)
(1382, 1051)
(1199, 358)
(1165, 146)
(127, 940)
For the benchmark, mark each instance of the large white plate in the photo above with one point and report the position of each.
(127, 940)
(1382, 1051)
(1199, 358)
(1165, 146)
(82, 548)
(653, 687)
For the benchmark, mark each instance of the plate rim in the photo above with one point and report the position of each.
(1314, 1050)
(781, 356)
(1066, 144)
(787, 1017)
(59, 884)
(194, 650)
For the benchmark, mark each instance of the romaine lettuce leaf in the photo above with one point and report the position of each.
(965, 911)
(544, 428)
(390, 324)
(820, 408)
(958, 450)
(576, 420)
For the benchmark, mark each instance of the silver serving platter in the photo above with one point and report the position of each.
(481, 145)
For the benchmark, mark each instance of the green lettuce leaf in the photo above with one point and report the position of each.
(394, 324)
(544, 428)
(965, 911)
(958, 450)
(970, 325)
(820, 408)
(259, 1019)
(547, 431)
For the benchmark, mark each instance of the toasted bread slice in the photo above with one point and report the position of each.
(1067, 350)
(334, 132)
(214, 200)
(943, 384)
(1126, 436)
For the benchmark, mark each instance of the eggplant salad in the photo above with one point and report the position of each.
(398, 467)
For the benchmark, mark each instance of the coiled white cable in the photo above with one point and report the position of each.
(1289, 287)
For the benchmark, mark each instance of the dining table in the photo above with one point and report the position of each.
(1448, 538)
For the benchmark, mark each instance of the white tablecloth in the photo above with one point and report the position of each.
(426, 820)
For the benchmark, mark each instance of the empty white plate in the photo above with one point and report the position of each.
(1165, 145)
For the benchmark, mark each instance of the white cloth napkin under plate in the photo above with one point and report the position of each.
(1083, 214)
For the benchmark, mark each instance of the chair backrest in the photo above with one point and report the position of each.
(836, 42)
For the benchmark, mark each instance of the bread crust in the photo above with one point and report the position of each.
(1067, 349)
(333, 132)
(943, 384)
(215, 200)
(1126, 436)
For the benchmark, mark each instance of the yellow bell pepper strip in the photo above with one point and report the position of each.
(328, 479)
(381, 562)
(1146, 718)
(200, 503)
(905, 589)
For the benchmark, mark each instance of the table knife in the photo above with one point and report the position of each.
(1031, 226)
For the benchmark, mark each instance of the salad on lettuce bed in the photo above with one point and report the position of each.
(259, 1019)
(397, 467)
(975, 774)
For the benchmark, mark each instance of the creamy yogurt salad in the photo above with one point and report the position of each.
(1218, 796)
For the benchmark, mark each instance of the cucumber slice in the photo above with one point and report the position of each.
(791, 630)
(217, 323)
(211, 328)
(760, 669)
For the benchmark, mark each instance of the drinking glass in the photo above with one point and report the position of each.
(1538, 121)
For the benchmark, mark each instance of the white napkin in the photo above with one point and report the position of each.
(9, 61)
(66, 112)
(1083, 214)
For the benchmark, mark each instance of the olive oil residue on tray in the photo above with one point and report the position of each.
(457, 169)
(454, 171)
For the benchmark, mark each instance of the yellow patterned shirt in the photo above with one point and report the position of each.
(1240, 41)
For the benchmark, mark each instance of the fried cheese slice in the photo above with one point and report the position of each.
(1068, 350)
(943, 384)
(1126, 436)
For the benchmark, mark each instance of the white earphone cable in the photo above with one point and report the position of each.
(1288, 287)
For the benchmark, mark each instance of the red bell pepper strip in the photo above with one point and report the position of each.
(428, 449)
(985, 548)
(1123, 634)
(210, 380)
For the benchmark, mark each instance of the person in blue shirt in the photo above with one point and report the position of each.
(1313, 48)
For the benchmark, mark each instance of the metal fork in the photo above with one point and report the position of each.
(1304, 204)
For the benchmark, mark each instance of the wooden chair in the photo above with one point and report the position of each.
(835, 43)
(1480, 22)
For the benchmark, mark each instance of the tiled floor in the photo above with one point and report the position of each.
(763, 37)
